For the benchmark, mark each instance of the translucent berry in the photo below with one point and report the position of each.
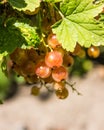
(53, 59)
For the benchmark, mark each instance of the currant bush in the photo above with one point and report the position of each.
(43, 44)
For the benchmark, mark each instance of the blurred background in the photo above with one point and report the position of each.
(22, 111)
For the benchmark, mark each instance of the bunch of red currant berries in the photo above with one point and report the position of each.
(46, 64)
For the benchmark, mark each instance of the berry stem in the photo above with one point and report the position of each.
(44, 43)
(73, 88)
(49, 90)
(58, 11)
(43, 84)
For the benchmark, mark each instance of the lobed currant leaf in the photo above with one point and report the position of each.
(22, 5)
(52, 1)
(16, 34)
(78, 24)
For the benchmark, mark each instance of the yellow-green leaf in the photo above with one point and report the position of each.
(79, 25)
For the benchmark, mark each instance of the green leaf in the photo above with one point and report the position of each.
(29, 33)
(79, 25)
(79, 7)
(16, 34)
(102, 17)
(68, 6)
(10, 38)
(23, 5)
(52, 1)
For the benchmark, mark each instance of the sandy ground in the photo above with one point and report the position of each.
(26, 112)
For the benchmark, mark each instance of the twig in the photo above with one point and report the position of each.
(73, 88)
